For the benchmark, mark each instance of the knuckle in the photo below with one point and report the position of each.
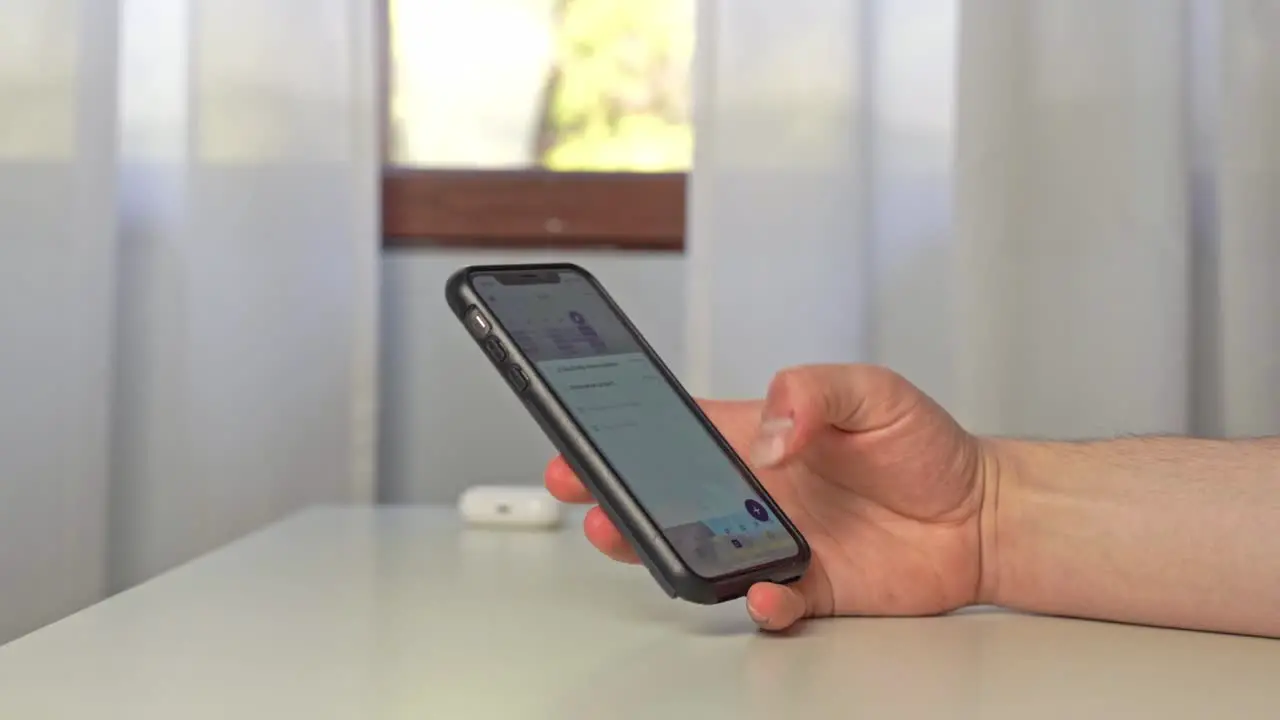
(786, 380)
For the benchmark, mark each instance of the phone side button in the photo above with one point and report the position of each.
(477, 324)
(494, 347)
(518, 379)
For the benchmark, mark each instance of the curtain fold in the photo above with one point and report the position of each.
(777, 201)
(57, 260)
(247, 344)
(1058, 217)
(188, 281)
(1247, 229)
(1072, 218)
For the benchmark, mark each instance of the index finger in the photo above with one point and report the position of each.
(563, 484)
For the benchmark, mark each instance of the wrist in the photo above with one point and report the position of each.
(1018, 514)
(996, 478)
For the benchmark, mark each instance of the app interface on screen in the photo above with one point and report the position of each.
(672, 465)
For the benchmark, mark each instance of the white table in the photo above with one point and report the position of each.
(400, 613)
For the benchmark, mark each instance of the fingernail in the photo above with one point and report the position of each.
(771, 441)
(756, 615)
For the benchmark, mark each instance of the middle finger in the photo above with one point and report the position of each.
(564, 485)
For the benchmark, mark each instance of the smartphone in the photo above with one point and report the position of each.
(686, 502)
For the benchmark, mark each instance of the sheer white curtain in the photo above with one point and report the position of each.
(1057, 216)
(249, 158)
(57, 257)
(188, 268)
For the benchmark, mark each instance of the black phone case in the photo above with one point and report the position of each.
(609, 490)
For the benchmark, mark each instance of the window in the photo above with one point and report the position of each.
(538, 123)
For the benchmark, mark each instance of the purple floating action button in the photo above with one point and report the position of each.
(757, 511)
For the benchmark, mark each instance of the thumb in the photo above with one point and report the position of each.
(776, 607)
(804, 402)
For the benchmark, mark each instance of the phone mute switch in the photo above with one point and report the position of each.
(518, 379)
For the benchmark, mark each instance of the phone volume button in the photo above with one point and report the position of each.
(518, 379)
(494, 347)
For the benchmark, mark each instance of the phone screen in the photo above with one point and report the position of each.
(672, 465)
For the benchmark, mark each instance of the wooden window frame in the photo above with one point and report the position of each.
(533, 209)
(523, 209)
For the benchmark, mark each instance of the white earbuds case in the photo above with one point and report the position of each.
(510, 506)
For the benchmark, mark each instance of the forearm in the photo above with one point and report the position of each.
(1160, 531)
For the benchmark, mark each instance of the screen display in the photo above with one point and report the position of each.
(670, 462)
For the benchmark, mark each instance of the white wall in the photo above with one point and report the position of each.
(448, 421)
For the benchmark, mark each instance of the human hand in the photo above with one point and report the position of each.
(887, 488)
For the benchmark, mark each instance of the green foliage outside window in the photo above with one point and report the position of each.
(618, 98)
